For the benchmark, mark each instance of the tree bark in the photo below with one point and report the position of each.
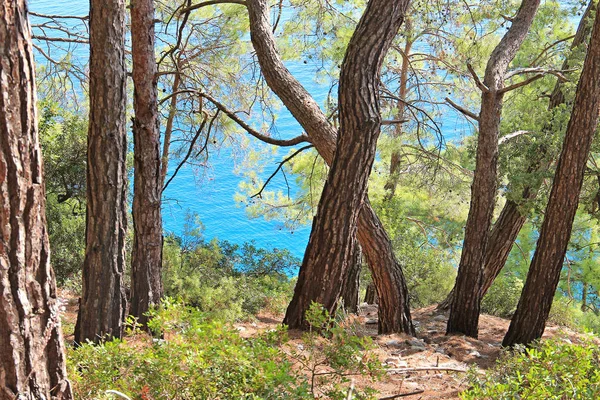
(533, 309)
(332, 240)
(146, 261)
(32, 353)
(352, 284)
(394, 312)
(464, 312)
(103, 301)
(510, 221)
(371, 294)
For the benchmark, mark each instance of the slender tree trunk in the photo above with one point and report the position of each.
(146, 261)
(103, 303)
(32, 353)
(371, 294)
(395, 158)
(464, 312)
(332, 240)
(529, 320)
(508, 225)
(394, 312)
(352, 285)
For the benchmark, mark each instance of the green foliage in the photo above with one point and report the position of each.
(64, 147)
(228, 281)
(200, 359)
(502, 297)
(552, 369)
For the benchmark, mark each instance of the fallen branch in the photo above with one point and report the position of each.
(397, 396)
(416, 369)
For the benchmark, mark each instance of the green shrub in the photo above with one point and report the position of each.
(552, 369)
(228, 281)
(201, 359)
(502, 297)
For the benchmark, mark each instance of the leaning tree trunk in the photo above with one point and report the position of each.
(533, 309)
(103, 301)
(146, 259)
(332, 241)
(394, 312)
(32, 353)
(464, 312)
(511, 219)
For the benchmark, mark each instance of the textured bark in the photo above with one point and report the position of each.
(394, 312)
(332, 240)
(146, 260)
(32, 360)
(529, 320)
(352, 284)
(511, 219)
(464, 312)
(371, 294)
(103, 301)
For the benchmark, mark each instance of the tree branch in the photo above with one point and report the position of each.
(300, 150)
(210, 3)
(463, 110)
(478, 82)
(506, 138)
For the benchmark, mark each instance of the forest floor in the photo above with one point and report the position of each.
(428, 366)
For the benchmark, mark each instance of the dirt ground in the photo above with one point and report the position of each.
(430, 366)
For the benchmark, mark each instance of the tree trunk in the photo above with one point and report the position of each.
(103, 301)
(32, 353)
(332, 240)
(352, 284)
(464, 312)
(394, 312)
(533, 309)
(371, 294)
(511, 219)
(146, 261)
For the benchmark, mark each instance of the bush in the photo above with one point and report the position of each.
(207, 359)
(552, 369)
(225, 280)
(201, 359)
(502, 297)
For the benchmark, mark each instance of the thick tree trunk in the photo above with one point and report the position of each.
(352, 284)
(529, 320)
(103, 301)
(464, 312)
(394, 312)
(511, 219)
(146, 260)
(32, 354)
(331, 245)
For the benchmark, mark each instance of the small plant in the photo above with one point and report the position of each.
(552, 369)
(330, 355)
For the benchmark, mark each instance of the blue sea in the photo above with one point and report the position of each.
(209, 193)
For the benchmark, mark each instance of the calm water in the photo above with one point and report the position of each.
(210, 194)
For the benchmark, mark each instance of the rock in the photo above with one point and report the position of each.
(441, 350)
(417, 348)
(439, 318)
(415, 343)
(240, 328)
(475, 353)
(372, 321)
(393, 343)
